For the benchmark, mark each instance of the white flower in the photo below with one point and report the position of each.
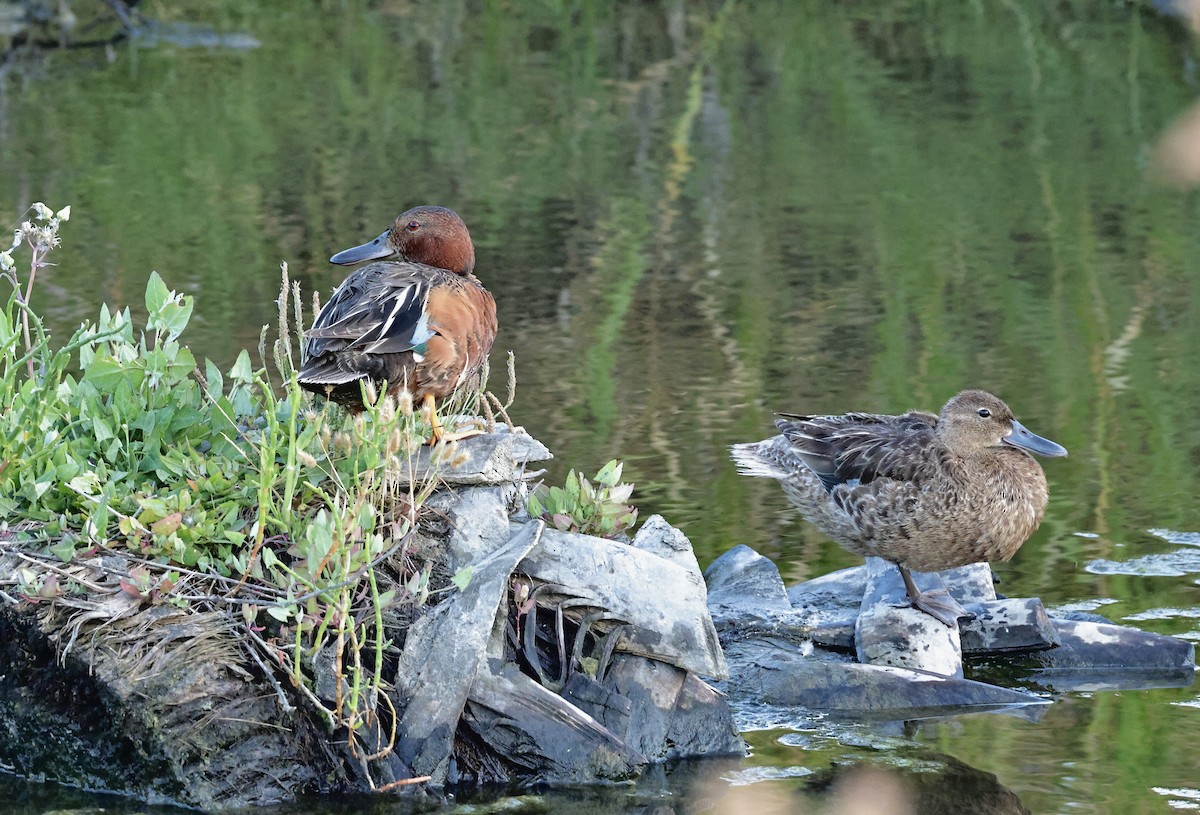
(64, 214)
(6, 261)
(41, 211)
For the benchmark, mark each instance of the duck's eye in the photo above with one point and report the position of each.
(984, 412)
(413, 226)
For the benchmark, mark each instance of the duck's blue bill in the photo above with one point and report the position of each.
(1021, 437)
(373, 250)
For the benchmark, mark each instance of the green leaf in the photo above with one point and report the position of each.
(85, 484)
(610, 473)
(108, 375)
(282, 613)
(174, 315)
(64, 550)
(216, 383)
(241, 371)
(157, 293)
(462, 578)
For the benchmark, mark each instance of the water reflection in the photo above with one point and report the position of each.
(693, 215)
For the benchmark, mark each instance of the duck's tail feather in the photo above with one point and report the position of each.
(325, 371)
(771, 458)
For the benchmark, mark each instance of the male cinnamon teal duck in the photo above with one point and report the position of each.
(417, 319)
(923, 491)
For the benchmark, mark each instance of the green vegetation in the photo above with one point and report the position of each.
(118, 442)
(598, 508)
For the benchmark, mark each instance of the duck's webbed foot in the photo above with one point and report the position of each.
(937, 603)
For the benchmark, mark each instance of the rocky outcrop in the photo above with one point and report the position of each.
(563, 659)
(850, 642)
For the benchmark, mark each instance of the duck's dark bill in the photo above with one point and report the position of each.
(374, 250)
(1021, 437)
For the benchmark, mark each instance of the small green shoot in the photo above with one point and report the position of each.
(598, 507)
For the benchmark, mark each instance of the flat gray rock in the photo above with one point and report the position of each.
(1007, 626)
(803, 653)
(742, 582)
(658, 537)
(498, 457)
(1105, 656)
(783, 676)
(973, 583)
(541, 737)
(664, 605)
(442, 658)
(999, 627)
(836, 591)
(889, 631)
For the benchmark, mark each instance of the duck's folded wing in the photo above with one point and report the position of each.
(858, 448)
(382, 319)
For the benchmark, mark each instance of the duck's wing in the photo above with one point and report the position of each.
(380, 309)
(857, 448)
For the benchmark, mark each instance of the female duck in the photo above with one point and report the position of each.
(923, 491)
(419, 319)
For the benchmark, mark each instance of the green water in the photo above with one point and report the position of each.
(693, 215)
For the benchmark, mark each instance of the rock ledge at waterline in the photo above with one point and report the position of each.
(849, 643)
(162, 703)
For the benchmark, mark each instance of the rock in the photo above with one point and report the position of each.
(837, 591)
(664, 605)
(490, 458)
(658, 537)
(907, 638)
(606, 705)
(829, 607)
(670, 714)
(889, 631)
(118, 707)
(798, 654)
(1004, 626)
(442, 658)
(1103, 656)
(479, 524)
(973, 583)
(837, 635)
(702, 724)
(533, 735)
(743, 583)
(785, 676)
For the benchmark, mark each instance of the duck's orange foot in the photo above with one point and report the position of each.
(458, 435)
(941, 606)
(438, 431)
(937, 603)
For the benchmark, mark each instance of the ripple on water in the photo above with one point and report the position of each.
(753, 775)
(1166, 613)
(1164, 564)
(1180, 797)
(1087, 606)
(1181, 538)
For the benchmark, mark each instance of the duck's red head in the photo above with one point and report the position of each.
(435, 236)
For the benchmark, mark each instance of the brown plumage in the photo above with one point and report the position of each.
(417, 319)
(927, 492)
